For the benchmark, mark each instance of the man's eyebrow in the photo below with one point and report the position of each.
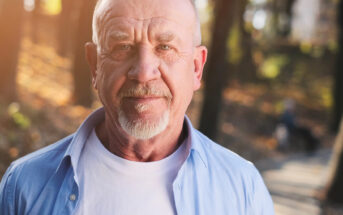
(165, 37)
(119, 35)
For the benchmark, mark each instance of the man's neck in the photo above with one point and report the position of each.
(127, 147)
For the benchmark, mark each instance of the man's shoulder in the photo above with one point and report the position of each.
(238, 178)
(46, 158)
(222, 158)
(26, 177)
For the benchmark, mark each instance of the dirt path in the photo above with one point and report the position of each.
(293, 182)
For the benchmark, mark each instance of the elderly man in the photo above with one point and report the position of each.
(138, 154)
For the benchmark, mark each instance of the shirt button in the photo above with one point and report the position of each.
(72, 197)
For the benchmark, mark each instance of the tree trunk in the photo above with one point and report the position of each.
(275, 18)
(36, 13)
(216, 71)
(335, 190)
(338, 76)
(65, 26)
(247, 67)
(81, 74)
(11, 12)
(289, 13)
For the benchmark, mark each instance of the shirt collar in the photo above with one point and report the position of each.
(196, 140)
(80, 137)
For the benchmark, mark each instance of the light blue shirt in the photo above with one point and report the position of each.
(212, 180)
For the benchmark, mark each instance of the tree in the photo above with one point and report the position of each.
(81, 74)
(11, 13)
(65, 26)
(246, 68)
(288, 11)
(338, 76)
(36, 13)
(335, 188)
(282, 16)
(216, 71)
(335, 185)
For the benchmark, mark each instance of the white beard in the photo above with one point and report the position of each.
(143, 129)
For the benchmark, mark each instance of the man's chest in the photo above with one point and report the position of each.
(125, 196)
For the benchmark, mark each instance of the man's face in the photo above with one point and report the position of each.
(147, 65)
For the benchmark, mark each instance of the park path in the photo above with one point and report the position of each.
(294, 181)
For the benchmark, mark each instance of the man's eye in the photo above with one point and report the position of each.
(164, 47)
(124, 47)
(122, 51)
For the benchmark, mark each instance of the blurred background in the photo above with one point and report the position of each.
(272, 89)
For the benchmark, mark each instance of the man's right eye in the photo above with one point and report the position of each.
(123, 47)
(122, 51)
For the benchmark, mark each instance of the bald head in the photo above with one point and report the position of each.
(102, 10)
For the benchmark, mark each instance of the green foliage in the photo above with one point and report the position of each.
(234, 45)
(271, 67)
(18, 118)
(333, 46)
(306, 47)
(315, 50)
(326, 96)
(279, 106)
(300, 69)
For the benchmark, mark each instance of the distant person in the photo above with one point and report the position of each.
(294, 132)
(139, 154)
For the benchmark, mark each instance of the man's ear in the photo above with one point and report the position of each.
(92, 58)
(199, 63)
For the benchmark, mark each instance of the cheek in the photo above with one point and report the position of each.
(111, 78)
(186, 84)
(184, 77)
(180, 80)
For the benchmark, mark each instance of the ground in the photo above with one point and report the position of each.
(296, 183)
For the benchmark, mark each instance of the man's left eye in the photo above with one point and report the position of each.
(164, 47)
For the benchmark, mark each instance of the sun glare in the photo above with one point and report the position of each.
(52, 7)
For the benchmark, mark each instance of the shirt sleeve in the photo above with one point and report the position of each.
(7, 194)
(262, 203)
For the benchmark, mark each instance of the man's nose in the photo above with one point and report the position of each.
(145, 67)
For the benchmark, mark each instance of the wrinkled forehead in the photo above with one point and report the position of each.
(125, 24)
(158, 30)
(157, 25)
(160, 12)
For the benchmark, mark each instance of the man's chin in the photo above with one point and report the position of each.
(143, 127)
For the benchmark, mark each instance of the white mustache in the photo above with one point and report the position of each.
(140, 91)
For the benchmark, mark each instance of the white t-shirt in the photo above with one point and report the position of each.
(112, 185)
